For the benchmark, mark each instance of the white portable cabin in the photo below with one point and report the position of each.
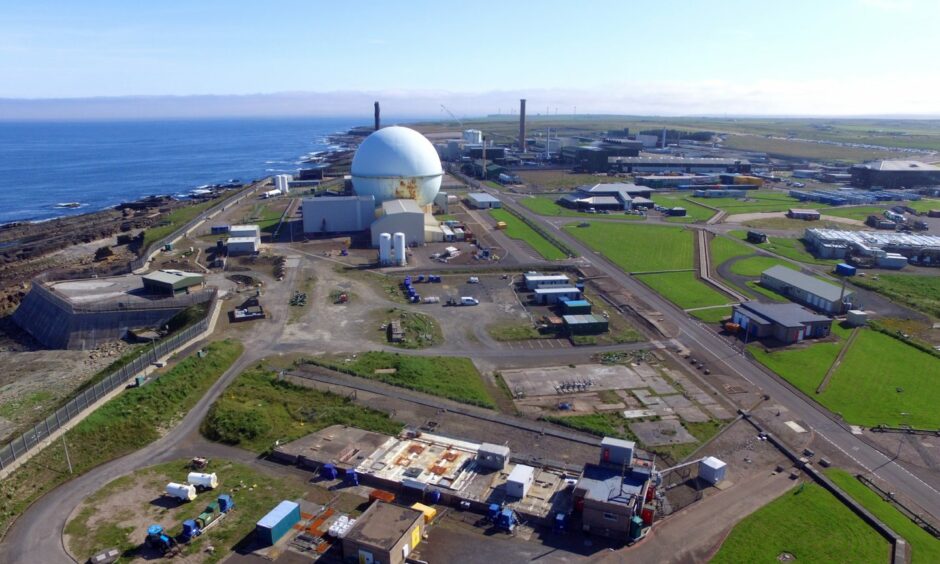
(183, 492)
(520, 480)
(712, 470)
(203, 480)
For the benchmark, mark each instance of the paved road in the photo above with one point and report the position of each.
(709, 346)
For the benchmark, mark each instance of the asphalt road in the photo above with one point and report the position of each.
(707, 345)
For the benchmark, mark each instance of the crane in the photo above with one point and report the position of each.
(444, 108)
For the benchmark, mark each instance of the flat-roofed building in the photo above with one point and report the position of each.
(804, 214)
(534, 280)
(338, 214)
(483, 201)
(244, 231)
(894, 174)
(384, 534)
(610, 496)
(688, 165)
(553, 294)
(787, 323)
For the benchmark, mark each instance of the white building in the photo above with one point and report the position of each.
(338, 214)
(473, 136)
(404, 216)
(520, 480)
(535, 280)
(243, 245)
(244, 231)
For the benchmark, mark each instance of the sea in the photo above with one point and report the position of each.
(101, 164)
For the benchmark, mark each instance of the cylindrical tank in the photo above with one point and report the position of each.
(202, 480)
(385, 248)
(185, 492)
(398, 241)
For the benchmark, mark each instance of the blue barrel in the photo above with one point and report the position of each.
(434, 496)
(328, 472)
(154, 530)
(351, 477)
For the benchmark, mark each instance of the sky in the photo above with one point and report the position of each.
(669, 57)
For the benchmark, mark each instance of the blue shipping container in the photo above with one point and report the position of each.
(277, 522)
(843, 269)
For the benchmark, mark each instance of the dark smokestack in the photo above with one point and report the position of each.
(522, 125)
(377, 121)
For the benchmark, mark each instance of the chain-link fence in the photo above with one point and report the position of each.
(32, 438)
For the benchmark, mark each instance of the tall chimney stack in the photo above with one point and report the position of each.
(522, 125)
(377, 123)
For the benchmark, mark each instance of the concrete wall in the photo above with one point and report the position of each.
(338, 214)
(409, 223)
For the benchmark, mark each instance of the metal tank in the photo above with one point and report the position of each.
(399, 249)
(385, 248)
(397, 163)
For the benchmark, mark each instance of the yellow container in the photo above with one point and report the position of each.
(429, 512)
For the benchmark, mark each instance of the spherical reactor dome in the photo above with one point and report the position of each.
(397, 163)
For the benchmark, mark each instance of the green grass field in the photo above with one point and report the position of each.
(922, 293)
(639, 248)
(518, 229)
(755, 286)
(753, 266)
(803, 366)
(713, 314)
(694, 211)
(786, 148)
(925, 548)
(723, 249)
(128, 422)
(545, 205)
(756, 201)
(858, 212)
(452, 377)
(790, 248)
(514, 332)
(684, 289)
(562, 179)
(176, 219)
(809, 523)
(258, 409)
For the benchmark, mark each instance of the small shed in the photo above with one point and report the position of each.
(520, 480)
(277, 522)
(586, 324)
(712, 470)
(170, 282)
(244, 231)
(804, 214)
(492, 456)
(576, 307)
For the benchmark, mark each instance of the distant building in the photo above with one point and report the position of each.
(688, 165)
(612, 196)
(170, 282)
(817, 294)
(675, 180)
(385, 534)
(338, 214)
(596, 158)
(482, 201)
(894, 174)
(787, 323)
(553, 294)
(535, 280)
(804, 214)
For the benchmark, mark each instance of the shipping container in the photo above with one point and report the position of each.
(277, 522)
(843, 269)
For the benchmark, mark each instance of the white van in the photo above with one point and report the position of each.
(469, 301)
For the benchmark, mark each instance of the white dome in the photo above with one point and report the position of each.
(397, 162)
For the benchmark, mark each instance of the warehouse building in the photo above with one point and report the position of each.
(597, 158)
(482, 201)
(242, 245)
(894, 174)
(576, 307)
(338, 214)
(614, 196)
(804, 214)
(787, 323)
(687, 165)
(589, 324)
(534, 280)
(553, 294)
(877, 245)
(402, 216)
(170, 282)
(244, 231)
(817, 294)
(675, 180)
(384, 534)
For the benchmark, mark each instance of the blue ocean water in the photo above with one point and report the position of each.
(100, 164)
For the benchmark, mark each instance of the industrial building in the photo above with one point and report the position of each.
(403, 216)
(576, 307)
(872, 248)
(551, 295)
(384, 534)
(675, 180)
(482, 201)
(170, 282)
(596, 158)
(787, 323)
(338, 214)
(244, 231)
(688, 165)
(894, 174)
(519, 481)
(613, 196)
(534, 280)
(804, 214)
(242, 245)
(799, 287)
(588, 324)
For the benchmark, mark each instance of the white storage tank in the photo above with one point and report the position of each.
(203, 480)
(519, 481)
(385, 248)
(398, 244)
(712, 470)
(183, 492)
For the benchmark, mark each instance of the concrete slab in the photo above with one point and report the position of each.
(795, 427)
(647, 398)
(718, 412)
(659, 433)
(692, 414)
(677, 400)
(638, 413)
(546, 381)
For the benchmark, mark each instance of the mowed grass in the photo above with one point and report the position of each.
(753, 266)
(176, 219)
(694, 211)
(919, 292)
(258, 408)
(882, 380)
(562, 179)
(860, 213)
(755, 201)
(790, 248)
(639, 248)
(684, 289)
(545, 205)
(518, 229)
(925, 547)
(452, 377)
(809, 523)
(712, 314)
(804, 366)
(723, 249)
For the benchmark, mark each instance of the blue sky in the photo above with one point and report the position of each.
(671, 57)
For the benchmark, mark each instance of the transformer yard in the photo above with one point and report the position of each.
(437, 369)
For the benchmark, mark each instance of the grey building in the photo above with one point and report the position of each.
(384, 534)
(482, 201)
(404, 216)
(813, 292)
(338, 214)
(894, 174)
(613, 196)
(687, 165)
(609, 497)
(787, 323)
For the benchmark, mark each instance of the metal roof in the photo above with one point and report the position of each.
(614, 188)
(787, 315)
(275, 516)
(482, 197)
(610, 485)
(401, 206)
(577, 303)
(174, 277)
(238, 240)
(899, 165)
(873, 238)
(582, 319)
(541, 277)
(251, 227)
(678, 160)
(814, 286)
(557, 290)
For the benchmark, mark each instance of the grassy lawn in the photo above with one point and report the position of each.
(130, 421)
(786, 223)
(753, 266)
(756, 287)
(865, 387)
(723, 249)
(756, 201)
(639, 248)
(93, 529)
(518, 229)
(445, 217)
(809, 523)
(258, 409)
(712, 314)
(787, 148)
(803, 366)
(922, 293)
(694, 211)
(684, 289)
(858, 212)
(545, 205)
(925, 547)
(451, 377)
(265, 217)
(514, 332)
(556, 180)
(176, 219)
(790, 248)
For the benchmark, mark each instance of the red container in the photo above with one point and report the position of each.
(650, 492)
(647, 515)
